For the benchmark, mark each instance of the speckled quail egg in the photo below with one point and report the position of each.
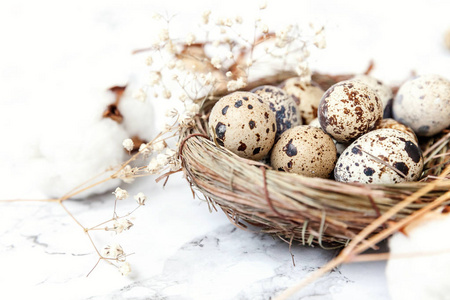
(392, 124)
(423, 103)
(304, 150)
(306, 95)
(383, 91)
(340, 147)
(244, 124)
(348, 110)
(380, 156)
(283, 105)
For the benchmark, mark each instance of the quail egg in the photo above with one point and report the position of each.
(340, 147)
(423, 103)
(391, 123)
(304, 150)
(348, 110)
(306, 95)
(383, 91)
(244, 124)
(381, 156)
(283, 105)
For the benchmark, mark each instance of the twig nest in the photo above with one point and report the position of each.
(349, 109)
(383, 91)
(304, 150)
(380, 156)
(423, 103)
(306, 95)
(244, 124)
(419, 263)
(393, 124)
(286, 113)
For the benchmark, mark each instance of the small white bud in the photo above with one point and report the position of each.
(120, 194)
(125, 269)
(140, 198)
(128, 144)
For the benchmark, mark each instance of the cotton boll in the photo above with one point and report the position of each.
(425, 275)
(70, 155)
(137, 115)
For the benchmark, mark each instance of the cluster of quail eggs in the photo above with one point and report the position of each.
(345, 133)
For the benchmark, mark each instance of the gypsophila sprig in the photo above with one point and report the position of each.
(120, 194)
(217, 57)
(128, 144)
(140, 198)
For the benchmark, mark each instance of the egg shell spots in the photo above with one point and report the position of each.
(348, 110)
(286, 113)
(423, 103)
(306, 95)
(372, 158)
(382, 90)
(304, 150)
(244, 124)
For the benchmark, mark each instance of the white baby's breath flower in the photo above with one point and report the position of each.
(162, 159)
(122, 224)
(171, 113)
(190, 39)
(153, 166)
(264, 28)
(216, 62)
(163, 35)
(230, 55)
(112, 251)
(238, 19)
(171, 153)
(182, 97)
(120, 194)
(171, 64)
(127, 174)
(166, 94)
(170, 47)
(229, 74)
(154, 78)
(159, 145)
(249, 62)
(128, 144)
(145, 149)
(125, 269)
(234, 85)
(192, 109)
(140, 95)
(205, 16)
(319, 39)
(186, 120)
(149, 61)
(140, 198)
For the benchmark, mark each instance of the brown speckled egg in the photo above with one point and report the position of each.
(304, 150)
(244, 124)
(306, 95)
(348, 110)
(340, 147)
(392, 124)
(380, 156)
(423, 103)
(283, 106)
(383, 91)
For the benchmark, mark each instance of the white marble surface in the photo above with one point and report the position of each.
(182, 251)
